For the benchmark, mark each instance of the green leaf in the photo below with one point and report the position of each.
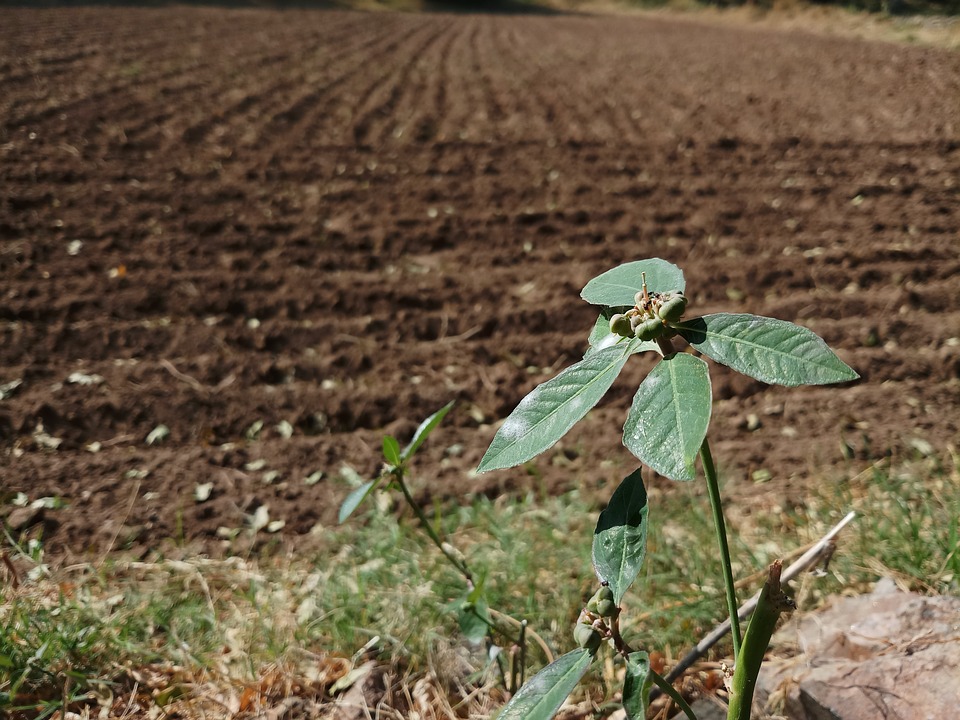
(544, 693)
(601, 337)
(353, 500)
(772, 351)
(552, 408)
(474, 619)
(636, 685)
(669, 416)
(424, 429)
(391, 450)
(619, 286)
(620, 540)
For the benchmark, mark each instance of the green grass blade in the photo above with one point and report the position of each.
(619, 286)
(669, 416)
(772, 351)
(620, 539)
(552, 408)
(544, 693)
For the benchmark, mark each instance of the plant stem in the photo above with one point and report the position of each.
(771, 603)
(666, 346)
(618, 640)
(523, 649)
(713, 488)
(456, 562)
(670, 690)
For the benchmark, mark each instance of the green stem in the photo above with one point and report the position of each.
(523, 650)
(456, 562)
(771, 603)
(713, 488)
(670, 690)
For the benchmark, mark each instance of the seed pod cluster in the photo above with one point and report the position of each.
(649, 318)
(602, 602)
(587, 636)
(591, 628)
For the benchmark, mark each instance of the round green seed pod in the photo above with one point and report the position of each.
(606, 608)
(650, 329)
(604, 594)
(620, 324)
(672, 309)
(587, 637)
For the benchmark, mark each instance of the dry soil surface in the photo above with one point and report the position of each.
(328, 224)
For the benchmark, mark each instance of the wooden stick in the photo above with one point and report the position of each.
(821, 550)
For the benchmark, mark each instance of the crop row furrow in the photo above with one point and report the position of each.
(374, 108)
(128, 73)
(316, 97)
(248, 95)
(407, 109)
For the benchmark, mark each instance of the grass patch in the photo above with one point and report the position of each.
(205, 637)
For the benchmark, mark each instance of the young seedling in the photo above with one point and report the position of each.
(477, 620)
(643, 309)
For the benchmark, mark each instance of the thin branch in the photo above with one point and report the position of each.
(428, 528)
(667, 687)
(541, 643)
(810, 558)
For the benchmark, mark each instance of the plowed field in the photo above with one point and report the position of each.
(332, 223)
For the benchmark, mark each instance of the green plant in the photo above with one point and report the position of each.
(476, 618)
(642, 309)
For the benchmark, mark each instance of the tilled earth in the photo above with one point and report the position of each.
(282, 234)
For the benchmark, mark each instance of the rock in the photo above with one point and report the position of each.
(24, 517)
(707, 709)
(889, 654)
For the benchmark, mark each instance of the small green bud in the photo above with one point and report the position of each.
(672, 309)
(606, 608)
(650, 329)
(604, 593)
(602, 602)
(620, 324)
(587, 637)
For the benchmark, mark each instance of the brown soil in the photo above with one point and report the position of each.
(343, 220)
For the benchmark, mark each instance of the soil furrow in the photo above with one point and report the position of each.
(223, 234)
(374, 121)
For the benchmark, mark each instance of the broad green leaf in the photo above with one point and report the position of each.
(669, 416)
(424, 429)
(620, 540)
(552, 408)
(619, 286)
(636, 685)
(544, 693)
(357, 496)
(391, 450)
(772, 351)
(474, 619)
(601, 337)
